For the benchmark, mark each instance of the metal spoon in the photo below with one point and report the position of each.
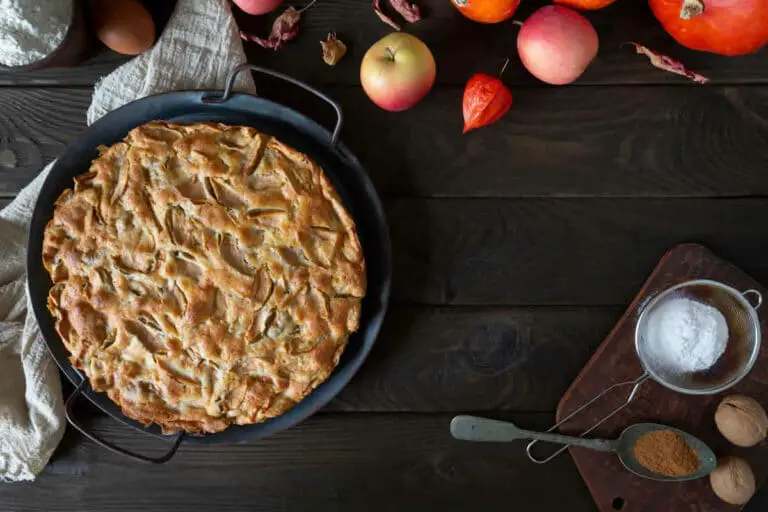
(471, 428)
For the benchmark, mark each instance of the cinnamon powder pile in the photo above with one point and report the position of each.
(666, 452)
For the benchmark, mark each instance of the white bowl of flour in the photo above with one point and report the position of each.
(36, 34)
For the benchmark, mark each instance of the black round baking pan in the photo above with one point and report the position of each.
(342, 168)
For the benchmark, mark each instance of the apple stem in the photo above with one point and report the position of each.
(310, 4)
(391, 53)
(691, 9)
(504, 67)
(518, 23)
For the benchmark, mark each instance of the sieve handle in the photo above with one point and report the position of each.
(636, 383)
(756, 294)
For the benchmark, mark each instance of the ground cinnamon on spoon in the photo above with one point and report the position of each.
(666, 452)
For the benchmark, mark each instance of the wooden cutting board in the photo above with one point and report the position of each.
(612, 487)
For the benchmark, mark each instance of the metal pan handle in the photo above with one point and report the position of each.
(109, 446)
(243, 67)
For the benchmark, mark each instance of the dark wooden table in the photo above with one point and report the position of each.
(516, 249)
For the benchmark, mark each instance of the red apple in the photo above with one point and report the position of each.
(257, 7)
(398, 71)
(556, 44)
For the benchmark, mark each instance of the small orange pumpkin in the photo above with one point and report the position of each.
(487, 11)
(726, 27)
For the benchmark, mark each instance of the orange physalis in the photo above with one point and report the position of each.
(486, 100)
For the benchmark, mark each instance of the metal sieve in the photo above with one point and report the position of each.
(743, 337)
(740, 354)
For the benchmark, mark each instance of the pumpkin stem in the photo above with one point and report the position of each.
(691, 9)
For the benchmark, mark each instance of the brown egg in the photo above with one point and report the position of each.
(123, 25)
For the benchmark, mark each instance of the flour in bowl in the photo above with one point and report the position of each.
(31, 29)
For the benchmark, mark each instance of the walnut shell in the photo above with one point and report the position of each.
(733, 481)
(741, 420)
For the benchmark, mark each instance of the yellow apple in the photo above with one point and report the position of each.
(397, 71)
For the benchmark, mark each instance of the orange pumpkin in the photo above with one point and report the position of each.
(586, 5)
(727, 27)
(487, 11)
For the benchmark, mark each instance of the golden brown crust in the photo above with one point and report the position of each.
(203, 275)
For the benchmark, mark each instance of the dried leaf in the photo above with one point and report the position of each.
(383, 17)
(333, 49)
(408, 11)
(285, 28)
(661, 61)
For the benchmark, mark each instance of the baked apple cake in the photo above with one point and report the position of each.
(203, 275)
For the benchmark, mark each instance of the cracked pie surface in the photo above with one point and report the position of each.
(204, 275)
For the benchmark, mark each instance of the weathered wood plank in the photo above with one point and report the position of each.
(448, 359)
(462, 47)
(333, 462)
(618, 141)
(578, 141)
(35, 127)
(344, 462)
(86, 74)
(559, 251)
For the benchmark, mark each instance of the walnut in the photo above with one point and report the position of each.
(741, 420)
(733, 481)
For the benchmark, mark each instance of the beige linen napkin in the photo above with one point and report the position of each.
(199, 46)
